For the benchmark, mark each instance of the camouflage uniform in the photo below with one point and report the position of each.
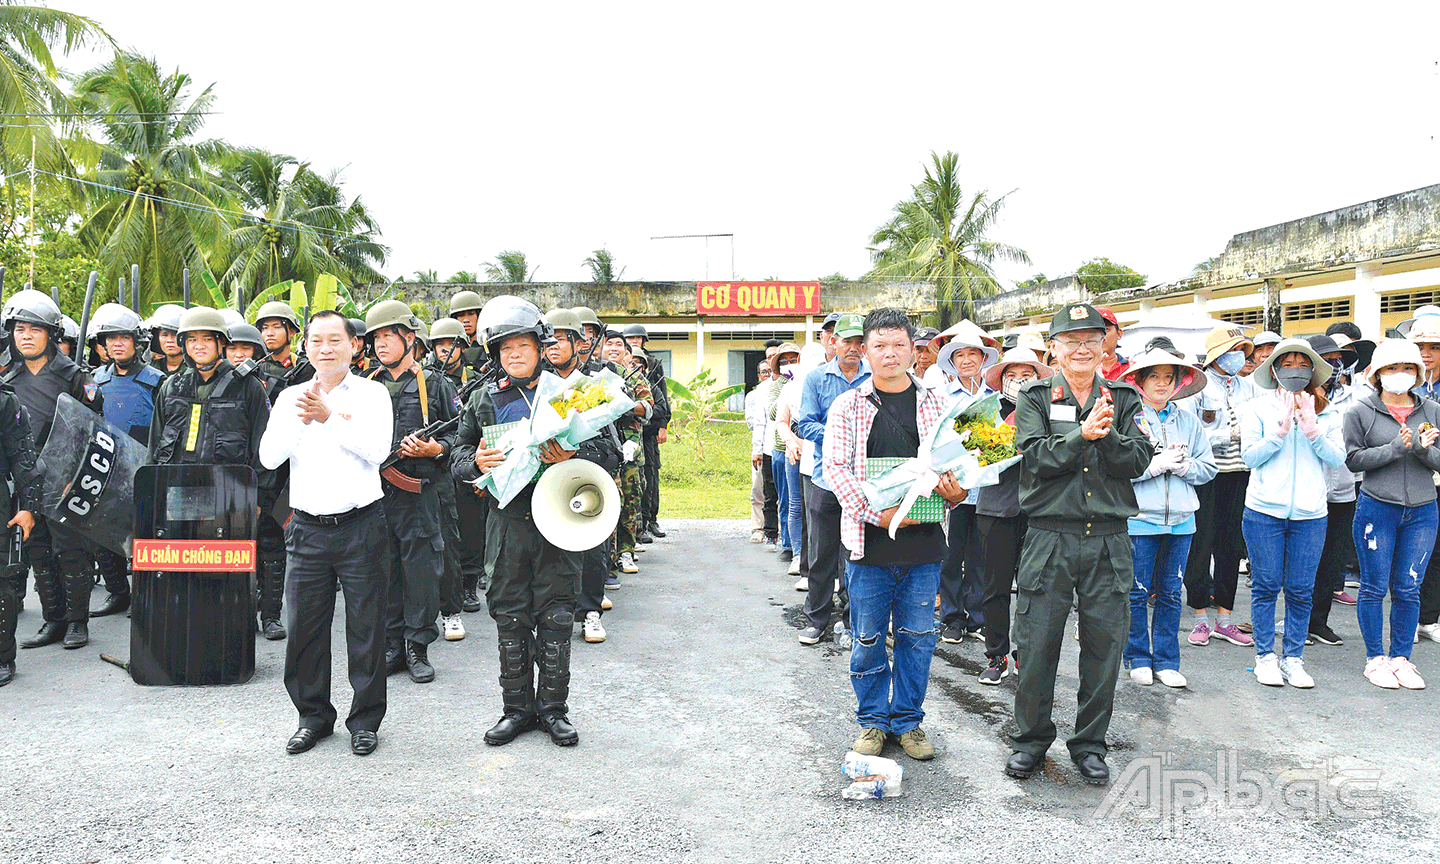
(631, 479)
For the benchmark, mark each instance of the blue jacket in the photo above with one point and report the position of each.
(1288, 476)
(1170, 499)
(822, 387)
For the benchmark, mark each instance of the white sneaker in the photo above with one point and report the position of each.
(794, 567)
(757, 536)
(454, 627)
(1428, 631)
(1379, 672)
(1267, 671)
(1171, 678)
(1142, 675)
(606, 604)
(594, 632)
(771, 546)
(803, 584)
(1293, 671)
(1405, 673)
(627, 563)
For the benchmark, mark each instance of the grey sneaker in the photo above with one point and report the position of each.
(811, 636)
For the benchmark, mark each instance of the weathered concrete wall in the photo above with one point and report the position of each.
(1035, 300)
(659, 299)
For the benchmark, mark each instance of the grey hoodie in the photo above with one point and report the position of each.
(1393, 473)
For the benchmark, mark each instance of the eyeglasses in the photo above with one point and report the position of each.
(1074, 344)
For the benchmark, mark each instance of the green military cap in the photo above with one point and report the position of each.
(850, 324)
(1076, 316)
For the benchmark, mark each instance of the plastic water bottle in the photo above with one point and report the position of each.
(874, 776)
(843, 638)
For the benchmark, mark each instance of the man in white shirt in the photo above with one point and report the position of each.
(335, 431)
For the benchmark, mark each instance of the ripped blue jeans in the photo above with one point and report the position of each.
(1394, 544)
(891, 699)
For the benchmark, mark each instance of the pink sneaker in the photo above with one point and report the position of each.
(1201, 634)
(1344, 597)
(1230, 633)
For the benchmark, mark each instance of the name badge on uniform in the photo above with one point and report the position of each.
(1062, 413)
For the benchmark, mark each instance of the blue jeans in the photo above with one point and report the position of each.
(1394, 544)
(876, 595)
(777, 471)
(795, 515)
(1284, 553)
(1159, 568)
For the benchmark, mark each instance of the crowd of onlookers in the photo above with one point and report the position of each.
(1307, 466)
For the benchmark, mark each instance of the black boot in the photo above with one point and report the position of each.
(112, 571)
(416, 659)
(7, 673)
(471, 600)
(113, 605)
(554, 660)
(517, 687)
(272, 593)
(52, 607)
(77, 634)
(50, 633)
(654, 529)
(394, 657)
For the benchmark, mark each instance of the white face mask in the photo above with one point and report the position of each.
(1397, 382)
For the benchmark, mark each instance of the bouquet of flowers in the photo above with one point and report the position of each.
(567, 412)
(951, 446)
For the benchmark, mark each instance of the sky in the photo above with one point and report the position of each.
(1148, 133)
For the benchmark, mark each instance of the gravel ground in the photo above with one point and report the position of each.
(707, 734)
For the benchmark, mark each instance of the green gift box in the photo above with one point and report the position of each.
(928, 508)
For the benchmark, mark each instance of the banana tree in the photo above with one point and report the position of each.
(693, 407)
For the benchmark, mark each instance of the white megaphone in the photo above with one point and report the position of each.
(576, 505)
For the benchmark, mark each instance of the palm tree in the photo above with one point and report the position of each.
(160, 203)
(464, 276)
(29, 94)
(509, 267)
(602, 267)
(352, 236)
(427, 275)
(283, 238)
(939, 234)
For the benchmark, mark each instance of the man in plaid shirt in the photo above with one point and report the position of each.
(887, 416)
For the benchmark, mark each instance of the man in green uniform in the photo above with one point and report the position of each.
(631, 428)
(1082, 445)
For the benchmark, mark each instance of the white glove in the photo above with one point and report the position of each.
(629, 451)
(1164, 461)
(1182, 467)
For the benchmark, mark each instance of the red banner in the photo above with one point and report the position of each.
(757, 298)
(195, 556)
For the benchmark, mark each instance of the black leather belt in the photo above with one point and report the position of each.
(337, 518)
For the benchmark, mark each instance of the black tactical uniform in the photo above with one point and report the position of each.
(467, 511)
(1077, 495)
(232, 417)
(660, 419)
(59, 557)
(17, 464)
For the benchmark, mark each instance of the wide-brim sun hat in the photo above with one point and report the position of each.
(946, 360)
(1192, 378)
(1015, 357)
(1223, 340)
(1425, 328)
(1329, 345)
(1392, 351)
(1364, 349)
(785, 348)
(1319, 369)
(969, 330)
(1423, 312)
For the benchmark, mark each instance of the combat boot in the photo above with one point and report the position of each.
(417, 660)
(517, 687)
(554, 684)
(272, 592)
(52, 607)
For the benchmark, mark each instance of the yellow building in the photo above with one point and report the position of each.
(1371, 263)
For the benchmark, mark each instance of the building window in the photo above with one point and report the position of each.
(1318, 311)
(1408, 302)
(1245, 317)
(670, 337)
(751, 335)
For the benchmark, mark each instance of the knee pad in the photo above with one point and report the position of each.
(557, 618)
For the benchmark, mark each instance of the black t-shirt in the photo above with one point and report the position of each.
(913, 544)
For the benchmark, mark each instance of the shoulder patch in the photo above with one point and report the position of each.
(1141, 422)
(91, 392)
(1057, 393)
(456, 400)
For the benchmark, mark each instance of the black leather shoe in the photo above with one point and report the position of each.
(7, 673)
(562, 732)
(50, 633)
(1093, 769)
(645, 537)
(471, 602)
(416, 659)
(364, 742)
(1021, 764)
(654, 530)
(77, 635)
(304, 738)
(509, 728)
(272, 629)
(113, 605)
(394, 658)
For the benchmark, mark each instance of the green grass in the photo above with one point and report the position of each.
(716, 487)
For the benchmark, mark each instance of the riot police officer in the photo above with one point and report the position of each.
(164, 325)
(209, 413)
(59, 557)
(244, 351)
(70, 338)
(532, 588)
(278, 325)
(17, 464)
(655, 433)
(419, 396)
(465, 307)
(129, 388)
(449, 343)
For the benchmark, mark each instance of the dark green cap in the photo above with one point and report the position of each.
(850, 324)
(1076, 316)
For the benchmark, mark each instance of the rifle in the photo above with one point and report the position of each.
(438, 427)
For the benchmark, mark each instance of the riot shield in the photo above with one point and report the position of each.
(192, 617)
(88, 476)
